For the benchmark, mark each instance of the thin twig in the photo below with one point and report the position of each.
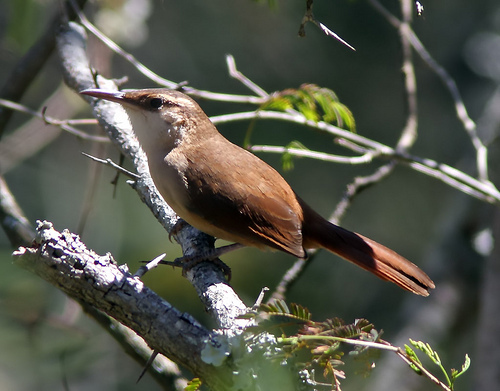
(461, 110)
(148, 364)
(111, 163)
(91, 189)
(409, 133)
(299, 267)
(485, 191)
(289, 278)
(149, 266)
(357, 186)
(326, 157)
(381, 345)
(260, 298)
(402, 354)
(234, 73)
(141, 68)
(118, 50)
(63, 124)
(309, 17)
(300, 119)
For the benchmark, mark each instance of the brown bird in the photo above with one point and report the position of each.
(229, 193)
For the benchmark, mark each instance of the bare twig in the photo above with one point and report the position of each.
(13, 221)
(149, 266)
(461, 110)
(234, 73)
(309, 17)
(357, 186)
(118, 50)
(65, 125)
(289, 278)
(443, 172)
(326, 157)
(111, 163)
(141, 68)
(409, 133)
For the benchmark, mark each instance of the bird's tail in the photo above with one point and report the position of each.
(364, 252)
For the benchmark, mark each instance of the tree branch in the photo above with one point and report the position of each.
(12, 219)
(97, 281)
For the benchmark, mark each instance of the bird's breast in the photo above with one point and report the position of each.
(168, 172)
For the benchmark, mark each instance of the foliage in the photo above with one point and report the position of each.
(434, 356)
(315, 103)
(193, 385)
(321, 347)
(287, 157)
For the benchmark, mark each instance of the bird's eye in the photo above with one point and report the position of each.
(156, 103)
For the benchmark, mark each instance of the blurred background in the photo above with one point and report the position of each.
(46, 343)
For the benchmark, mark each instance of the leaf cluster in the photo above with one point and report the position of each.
(434, 357)
(314, 348)
(315, 103)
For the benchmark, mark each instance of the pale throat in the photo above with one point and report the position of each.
(155, 134)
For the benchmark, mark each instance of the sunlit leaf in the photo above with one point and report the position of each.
(193, 385)
(287, 158)
(314, 103)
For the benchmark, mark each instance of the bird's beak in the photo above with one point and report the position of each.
(113, 96)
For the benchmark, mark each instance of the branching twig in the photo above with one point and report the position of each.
(461, 110)
(484, 191)
(141, 68)
(234, 73)
(111, 163)
(443, 172)
(66, 125)
(357, 186)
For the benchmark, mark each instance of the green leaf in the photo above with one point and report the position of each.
(411, 353)
(429, 352)
(314, 103)
(281, 308)
(287, 158)
(193, 385)
(455, 374)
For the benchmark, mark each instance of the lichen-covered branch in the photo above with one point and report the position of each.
(65, 262)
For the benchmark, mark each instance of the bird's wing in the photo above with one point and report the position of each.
(250, 203)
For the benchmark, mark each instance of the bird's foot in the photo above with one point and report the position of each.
(190, 261)
(187, 263)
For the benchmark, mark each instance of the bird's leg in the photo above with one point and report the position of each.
(212, 255)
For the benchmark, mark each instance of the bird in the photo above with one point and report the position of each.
(229, 193)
